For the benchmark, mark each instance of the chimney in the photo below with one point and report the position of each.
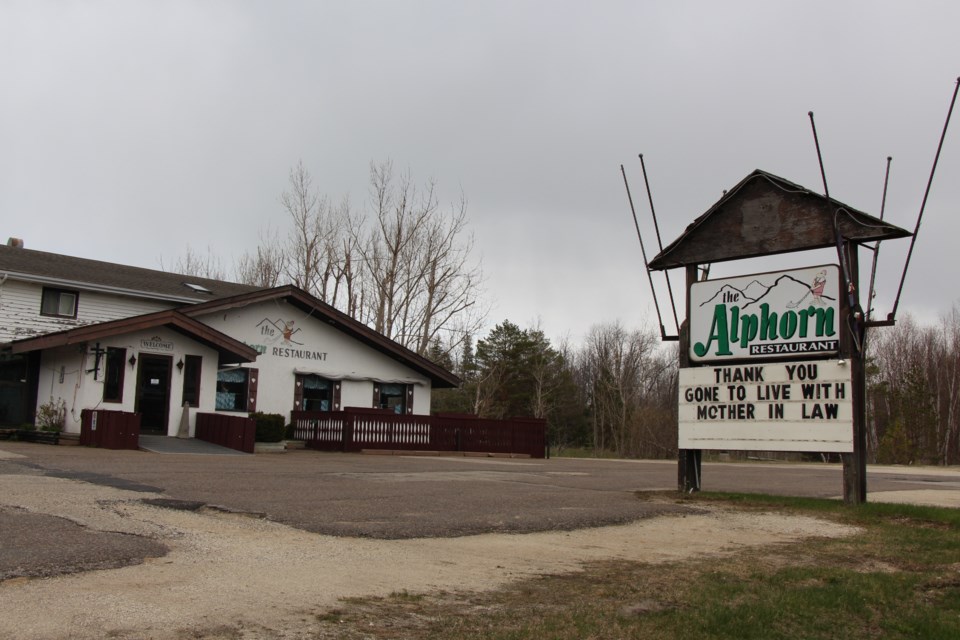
(16, 243)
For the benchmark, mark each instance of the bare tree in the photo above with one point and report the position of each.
(949, 387)
(914, 392)
(192, 263)
(419, 277)
(405, 268)
(266, 267)
(314, 256)
(401, 214)
(450, 280)
(632, 388)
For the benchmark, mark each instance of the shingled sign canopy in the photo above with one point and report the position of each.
(765, 215)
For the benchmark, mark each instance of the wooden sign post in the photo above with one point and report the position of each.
(773, 361)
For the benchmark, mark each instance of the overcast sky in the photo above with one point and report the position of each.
(130, 129)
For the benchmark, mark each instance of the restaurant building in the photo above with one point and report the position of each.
(85, 334)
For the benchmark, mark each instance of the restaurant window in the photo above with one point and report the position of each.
(113, 375)
(191, 380)
(393, 396)
(237, 389)
(58, 303)
(317, 393)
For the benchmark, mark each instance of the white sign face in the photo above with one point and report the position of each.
(767, 315)
(784, 406)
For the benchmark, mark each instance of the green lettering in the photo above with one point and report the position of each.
(768, 323)
(718, 332)
(825, 325)
(749, 325)
(734, 324)
(804, 316)
(788, 324)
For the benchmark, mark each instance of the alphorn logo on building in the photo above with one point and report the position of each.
(282, 336)
(279, 331)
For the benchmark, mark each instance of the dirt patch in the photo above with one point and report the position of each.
(227, 575)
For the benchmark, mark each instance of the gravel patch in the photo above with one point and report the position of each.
(227, 575)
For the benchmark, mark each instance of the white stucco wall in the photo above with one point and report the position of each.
(311, 346)
(79, 390)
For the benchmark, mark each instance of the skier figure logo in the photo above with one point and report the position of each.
(815, 290)
(287, 331)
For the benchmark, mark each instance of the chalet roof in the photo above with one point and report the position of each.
(231, 351)
(81, 273)
(765, 215)
(440, 377)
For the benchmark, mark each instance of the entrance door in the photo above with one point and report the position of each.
(153, 393)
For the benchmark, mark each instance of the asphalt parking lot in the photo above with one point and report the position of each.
(385, 496)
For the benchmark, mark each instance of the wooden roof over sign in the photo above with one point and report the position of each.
(765, 215)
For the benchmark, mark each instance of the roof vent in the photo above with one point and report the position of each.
(198, 288)
(16, 243)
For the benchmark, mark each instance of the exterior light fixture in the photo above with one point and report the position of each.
(180, 365)
(133, 360)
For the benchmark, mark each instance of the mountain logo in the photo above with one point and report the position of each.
(279, 331)
(756, 291)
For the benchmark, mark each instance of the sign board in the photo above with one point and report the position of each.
(156, 343)
(780, 314)
(783, 406)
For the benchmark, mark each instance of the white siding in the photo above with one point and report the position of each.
(80, 391)
(20, 310)
(316, 347)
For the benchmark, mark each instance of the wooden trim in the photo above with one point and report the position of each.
(107, 369)
(196, 387)
(298, 391)
(172, 318)
(253, 382)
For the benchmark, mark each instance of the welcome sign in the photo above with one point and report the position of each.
(769, 315)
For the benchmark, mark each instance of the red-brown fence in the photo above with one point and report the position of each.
(355, 429)
(109, 429)
(235, 432)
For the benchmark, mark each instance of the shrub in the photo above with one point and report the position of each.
(52, 415)
(270, 427)
(895, 446)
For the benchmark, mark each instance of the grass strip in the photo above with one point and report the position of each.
(899, 578)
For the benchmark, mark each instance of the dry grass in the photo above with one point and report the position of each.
(876, 584)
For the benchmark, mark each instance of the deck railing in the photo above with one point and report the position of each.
(234, 432)
(356, 429)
